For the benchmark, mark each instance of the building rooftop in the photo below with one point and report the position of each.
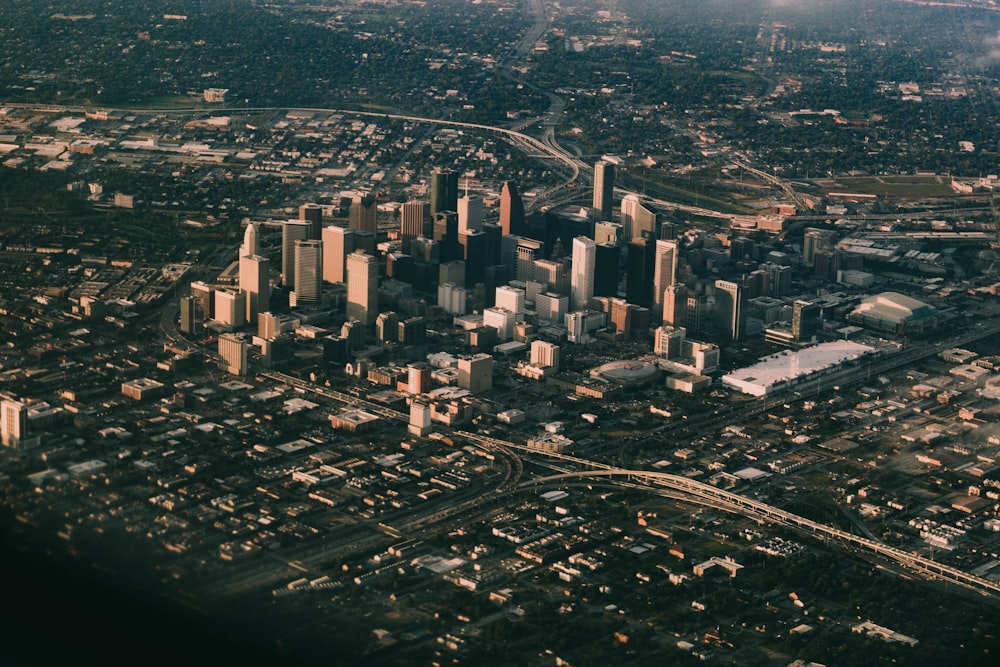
(786, 365)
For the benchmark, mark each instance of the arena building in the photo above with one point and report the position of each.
(894, 313)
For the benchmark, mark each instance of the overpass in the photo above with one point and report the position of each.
(699, 493)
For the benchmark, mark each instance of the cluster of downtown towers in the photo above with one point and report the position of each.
(445, 244)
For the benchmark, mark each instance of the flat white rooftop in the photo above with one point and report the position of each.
(788, 366)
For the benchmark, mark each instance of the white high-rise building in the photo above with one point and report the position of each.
(582, 272)
(675, 305)
(230, 307)
(13, 424)
(664, 270)
(551, 308)
(604, 190)
(544, 354)
(453, 298)
(502, 320)
(255, 283)
(233, 352)
(308, 274)
(511, 298)
(291, 231)
(362, 287)
(338, 243)
(470, 213)
(251, 242)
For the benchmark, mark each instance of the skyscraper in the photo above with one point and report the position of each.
(233, 349)
(255, 283)
(338, 243)
(815, 239)
(362, 287)
(313, 214)
(251, 241)
(308, 274)
(611, 232)
(189, 315)
(675, 298)
(639, 218)
(805, 320)
(606, 263)
(474, 253)
(582, 272)
(414, 221)
(444, 191)
(13, 424)
(639, 272)
(363, 213)
(291, 231)
(511, 209)
(511, 298)
(664, 270)
(604, 190)
(446, 234)
(526, 252)
(470, 213)
(730, 309)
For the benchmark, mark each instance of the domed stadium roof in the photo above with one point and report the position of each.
(628, 371)
(895, 308)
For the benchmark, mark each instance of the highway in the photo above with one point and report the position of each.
(689, 490)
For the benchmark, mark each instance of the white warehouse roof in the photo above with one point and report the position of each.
(786, 367)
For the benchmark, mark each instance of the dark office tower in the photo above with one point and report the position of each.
(444, 191)
(493, 277)
(336, 349)
(399, 266)
(425, 250)
(363, 214)
(493, 238)
(675, 300)
(697, 306)
(668, 231)
(604, 190)
(446, 234)
(511, 209)
(414, 222)
(291, 231)
(730, 309)
(412, 331)
(606, 264)
(313, 214)
(814, 239)
(758, 283)
(741, 248)
(387, 327)
(826, 264)
(779, 279)
(365, 241)
(189, 315)
(639, 272)
(805, 320)
(527, 251)
(452, 272)
(474, 248)
(205, 296)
